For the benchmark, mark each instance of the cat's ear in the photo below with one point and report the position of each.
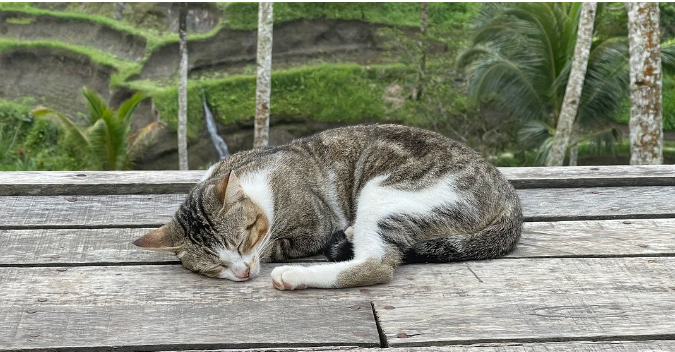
(158, 240)
(229, 190)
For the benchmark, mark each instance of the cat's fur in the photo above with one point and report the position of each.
(374, 196)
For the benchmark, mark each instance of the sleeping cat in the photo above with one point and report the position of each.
(373, 196)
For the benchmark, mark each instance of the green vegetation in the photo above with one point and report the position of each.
(521, 55)
(29, 144)
(517, 62)
(323, 92)
(106, 143)
(244, 15)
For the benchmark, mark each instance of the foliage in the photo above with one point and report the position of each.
(521, 55)
(667, 20)
(29, 144)
(431, 95)
(106, 142)
(244, 15)
(323, 93)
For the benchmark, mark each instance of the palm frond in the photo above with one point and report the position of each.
(95, 105)
(140, 141)
(128, 107)
(67, 124)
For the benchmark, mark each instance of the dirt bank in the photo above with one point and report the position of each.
(53, 76)
(23, 26)
(295, 41)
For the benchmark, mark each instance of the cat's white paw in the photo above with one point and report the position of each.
(289, 278)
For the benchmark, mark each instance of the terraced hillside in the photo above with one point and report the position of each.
(331, 65)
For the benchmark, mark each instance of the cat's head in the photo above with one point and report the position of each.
(218, 231)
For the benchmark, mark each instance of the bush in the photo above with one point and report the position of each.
(29, 144)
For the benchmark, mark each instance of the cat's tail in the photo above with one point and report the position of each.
(495, 240)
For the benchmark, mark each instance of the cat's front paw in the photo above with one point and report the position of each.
(288, 278)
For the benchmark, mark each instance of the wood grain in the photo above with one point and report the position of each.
(590, 176)
(518, 318)
(577, 346)
(596, 238)
(189, 325)
(491, 280)
(52, 183)
(591, 238)
(552, 204)
(49, 183)
(546, 204)
(151, 210)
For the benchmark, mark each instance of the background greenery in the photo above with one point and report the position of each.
(320, 91)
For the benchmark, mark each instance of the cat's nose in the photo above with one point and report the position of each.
(244, 275)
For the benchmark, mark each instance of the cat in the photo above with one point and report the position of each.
(371, 197)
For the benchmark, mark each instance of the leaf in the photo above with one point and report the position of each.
(95, 105)
(67, 124)
(141, 140)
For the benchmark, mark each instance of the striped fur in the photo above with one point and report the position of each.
(406, 194)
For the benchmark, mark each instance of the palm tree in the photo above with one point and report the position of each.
(646, 112)
(520, 57)
(106, 143)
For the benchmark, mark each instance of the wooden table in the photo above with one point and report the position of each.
(594, 271)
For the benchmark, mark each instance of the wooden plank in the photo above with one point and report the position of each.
(518, 318)
(597, 238)
(189, 325)
(52, 183)
(554, 204)
(58, 247)
(491, 280)
(48, 183)
(590, 176)
(577, 346)
(77, 247)
(546, 204)
(592, 238)
(151, 210)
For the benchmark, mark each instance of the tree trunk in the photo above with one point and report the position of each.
(423, 46)
(574, 147)
(182, 88)
(575, 83)
(264, 81)
(646, 111)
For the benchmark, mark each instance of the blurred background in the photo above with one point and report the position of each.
(94, 86)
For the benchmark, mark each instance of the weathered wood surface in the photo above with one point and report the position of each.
(545, 204)
(551, 204)
(591, 238)
(46, 183)
(577, 346)
(590, 176)
(594, 263)
(519, 318)
(189, 325)
(501, 300)
(491, 280)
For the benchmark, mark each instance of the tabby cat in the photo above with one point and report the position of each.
(372, 196)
